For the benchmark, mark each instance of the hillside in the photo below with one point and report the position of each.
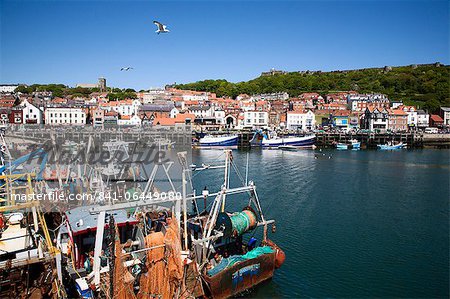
(426, 86)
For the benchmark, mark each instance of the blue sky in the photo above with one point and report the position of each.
(77, 41)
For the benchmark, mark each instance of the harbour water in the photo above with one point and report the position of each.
(352, 223)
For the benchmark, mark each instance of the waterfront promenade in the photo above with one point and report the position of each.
(182, 136)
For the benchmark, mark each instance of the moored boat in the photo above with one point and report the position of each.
(218, 141)
(261, 139)
(353, 144)
(391, 146)
(230, 263)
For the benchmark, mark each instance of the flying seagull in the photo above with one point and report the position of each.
(126, 68)
(161, 27)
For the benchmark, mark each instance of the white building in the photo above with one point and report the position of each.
(445, 112)
(359, 102)
(65, 116)
(376, 119)
(153, 94)
(270, 96)
(128, 120)
(300, 120)
(256, 119)
(423, 119)
(219, 115)
(31, 113)
(412, 116)
(8, 88)
(124, 107)
(201, 111)
(203, 97)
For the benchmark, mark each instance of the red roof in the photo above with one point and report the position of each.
(436, 118)
(397, 112)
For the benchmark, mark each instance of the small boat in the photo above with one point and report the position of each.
(218, 141)
(353, 144)
(342, 146)
(276, 142)
(391, 146)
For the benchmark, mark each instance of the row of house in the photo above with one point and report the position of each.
(343, 110)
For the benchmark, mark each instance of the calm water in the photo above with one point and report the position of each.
(361, 224)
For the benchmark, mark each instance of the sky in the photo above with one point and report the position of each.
(74, 42)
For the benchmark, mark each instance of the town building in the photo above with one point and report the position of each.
(180, 119)
(65, 116)
(149, 112)
(129, 120)
(31, 113)
(270, 96)
(256, 119)
(110, 118)
(423, 119)
(412, 116)
(436, 121)
(375, 118)
(101, 84)
(359, 102)
(341, 119)
(219, 115)
(398, 120)
(98, 116)
(273, 72)
(300, 120)
(8, 88)
(11, 115)
(230, 121)
(445, 115)
(124, 107)
(7, 101)
(396, 103)
(201, 111)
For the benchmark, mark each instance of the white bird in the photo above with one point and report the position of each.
(126, 68)
(161, 27)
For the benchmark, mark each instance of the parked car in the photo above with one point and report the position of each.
(431, 130)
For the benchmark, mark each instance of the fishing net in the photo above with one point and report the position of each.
(234, 259)
(173, 246)
(164, 272)
(243, 221)
(123, 280)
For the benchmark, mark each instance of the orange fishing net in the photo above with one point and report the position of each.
(175, 267)
(164, 268)
(123, 280)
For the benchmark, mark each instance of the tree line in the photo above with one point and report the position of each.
(426, 86)
(61, 90)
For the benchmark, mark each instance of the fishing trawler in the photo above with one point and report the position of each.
(217, 141)
(264, 140)
(230, 261)
(158, 247)
(27, 254)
